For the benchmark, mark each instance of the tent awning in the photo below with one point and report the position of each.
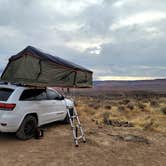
(34, 67)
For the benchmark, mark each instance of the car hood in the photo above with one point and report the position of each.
(69, 103)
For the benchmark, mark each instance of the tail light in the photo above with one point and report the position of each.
(7, 107)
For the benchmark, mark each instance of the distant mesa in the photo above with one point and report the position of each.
(158, 85)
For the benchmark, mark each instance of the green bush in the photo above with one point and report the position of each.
(163, 109)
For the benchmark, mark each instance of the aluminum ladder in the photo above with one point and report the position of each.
(78, 133)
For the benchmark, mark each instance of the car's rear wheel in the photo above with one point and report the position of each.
(27, 128)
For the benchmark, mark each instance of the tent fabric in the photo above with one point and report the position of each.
(34, 67)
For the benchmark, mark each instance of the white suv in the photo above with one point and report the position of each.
(23, 109)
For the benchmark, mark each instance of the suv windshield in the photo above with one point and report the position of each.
(5, 93)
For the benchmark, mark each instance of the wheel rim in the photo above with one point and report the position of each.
(29, 128)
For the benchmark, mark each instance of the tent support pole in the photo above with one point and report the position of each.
(74, 83)
(39, 71)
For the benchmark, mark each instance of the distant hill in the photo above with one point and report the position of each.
(158, 85)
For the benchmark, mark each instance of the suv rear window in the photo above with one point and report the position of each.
(5, 93)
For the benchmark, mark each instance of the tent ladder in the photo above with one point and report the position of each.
(78, 133)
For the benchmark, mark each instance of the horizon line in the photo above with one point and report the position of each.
(126, 78)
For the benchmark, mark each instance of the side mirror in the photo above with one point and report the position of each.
(60, 98)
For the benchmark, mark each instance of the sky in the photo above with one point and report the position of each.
(116, 39)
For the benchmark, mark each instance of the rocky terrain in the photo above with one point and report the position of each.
(124, 128)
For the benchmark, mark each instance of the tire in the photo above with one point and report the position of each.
(67, 120)
(27, 128)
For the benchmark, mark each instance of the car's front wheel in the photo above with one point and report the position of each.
(27, 128)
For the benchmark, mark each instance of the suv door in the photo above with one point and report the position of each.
(35, 100)
(57, 104)
(46, 103)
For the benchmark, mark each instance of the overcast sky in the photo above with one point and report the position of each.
(117, 39)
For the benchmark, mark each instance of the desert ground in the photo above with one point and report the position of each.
(121, 130)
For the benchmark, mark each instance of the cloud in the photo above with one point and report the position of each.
(140, 18)
(113, 38)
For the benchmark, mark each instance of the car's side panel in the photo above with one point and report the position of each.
(46, 110)
(56, 110)
(24, 108)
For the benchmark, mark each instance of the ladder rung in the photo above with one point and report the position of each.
(80, 137)
(78, 125)
(73, 116)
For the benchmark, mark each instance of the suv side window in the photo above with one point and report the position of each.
(33, 94)
(52, 95)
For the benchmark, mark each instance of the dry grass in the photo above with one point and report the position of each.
(145, 113)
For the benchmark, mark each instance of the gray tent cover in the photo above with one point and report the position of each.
(34, 67)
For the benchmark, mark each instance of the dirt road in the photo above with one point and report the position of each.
(101, 149)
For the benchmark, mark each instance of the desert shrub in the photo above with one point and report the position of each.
(145, 100)
(163, 109)
(90, 111)
(154, 103)
(113, 103)
(148, 125)
(121, 108)
(130, 106)
(107, 107)
(125, 101)
(93, 112)
(95, 106)
(141, 106)
(90, 105)
(106, 116)
(120, 102)
(97, 101)
(76, 103)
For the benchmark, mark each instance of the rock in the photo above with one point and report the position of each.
(117, 123)
(130, 138)
(93, 120)
(133, 138)
(100, 127)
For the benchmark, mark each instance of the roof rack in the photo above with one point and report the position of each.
(3, 83)
(19, 84)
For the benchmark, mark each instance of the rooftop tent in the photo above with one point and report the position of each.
(34, 67)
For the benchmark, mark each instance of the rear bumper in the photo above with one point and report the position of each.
(6, 129)
(8, 123)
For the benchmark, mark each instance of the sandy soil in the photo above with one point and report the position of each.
(101, 149)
